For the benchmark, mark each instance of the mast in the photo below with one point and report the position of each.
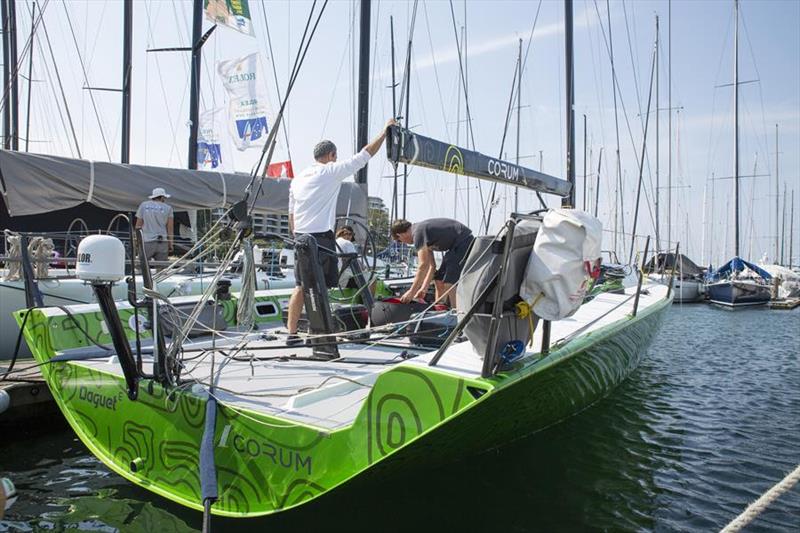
(658, 184)
(711, 231)
(405, 117)
(458, 140)
(783, 226)
(669, 124)
(736, 126)
(703, 239)
(597, 183)
(363, 89)
(585, 177)
(791, 231)
(570, 75)
(13, 71)
(394, 115)
(194, 96)
(30, 79)
(519, 107)
(6, 78)
(618, 185)
(127, 24)
(777, 192)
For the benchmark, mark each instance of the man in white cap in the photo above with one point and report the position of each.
(154, 218)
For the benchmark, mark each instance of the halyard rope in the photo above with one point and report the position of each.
(758, 506)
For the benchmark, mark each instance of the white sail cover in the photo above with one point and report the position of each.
(560, 267)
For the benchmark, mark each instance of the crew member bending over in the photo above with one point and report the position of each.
(441, 235)
(312, 210)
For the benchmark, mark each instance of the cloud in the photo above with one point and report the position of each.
(449, 54)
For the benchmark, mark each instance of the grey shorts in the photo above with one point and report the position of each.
(453, 262)
(156, 250)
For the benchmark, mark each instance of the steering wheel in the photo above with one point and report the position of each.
(369, 242)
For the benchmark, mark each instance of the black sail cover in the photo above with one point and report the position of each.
(404, 146)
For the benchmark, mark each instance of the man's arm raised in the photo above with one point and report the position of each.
(376, 143)
(343, 169)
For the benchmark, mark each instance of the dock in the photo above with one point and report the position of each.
(24, 395)
(788, 303)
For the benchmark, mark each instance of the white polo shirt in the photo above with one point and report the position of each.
(313, 193)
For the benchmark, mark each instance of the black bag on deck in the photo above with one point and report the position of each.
(481, 267)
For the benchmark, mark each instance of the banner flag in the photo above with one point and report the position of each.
(281, 169)
(209, 139)
(231, 13)
(248, 106)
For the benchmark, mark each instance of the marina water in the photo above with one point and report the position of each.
(708, 422)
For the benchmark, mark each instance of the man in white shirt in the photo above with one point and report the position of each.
(312, 210)
(154, 218)
(344, 242)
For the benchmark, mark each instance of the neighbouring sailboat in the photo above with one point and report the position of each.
(688, 278)
(737, 283)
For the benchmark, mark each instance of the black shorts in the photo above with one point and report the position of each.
(452, 263)
(326, 246)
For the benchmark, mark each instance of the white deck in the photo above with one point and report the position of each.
(329, 394)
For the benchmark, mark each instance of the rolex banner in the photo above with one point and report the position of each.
(248, 106)
(232, 13)
(209, 140)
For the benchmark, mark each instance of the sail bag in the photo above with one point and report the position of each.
(562, 265)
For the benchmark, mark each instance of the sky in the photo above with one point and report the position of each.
(86, 42)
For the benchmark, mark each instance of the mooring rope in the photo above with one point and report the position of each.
(758, 506)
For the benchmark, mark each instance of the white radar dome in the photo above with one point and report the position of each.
(101, 258)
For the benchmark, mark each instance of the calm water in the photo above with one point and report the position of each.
(709, 421)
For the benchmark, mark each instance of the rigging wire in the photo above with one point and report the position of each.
(174, 148)
(284, 126)
(335, 86)
(760, 89)
(270, 145)
(373, 79)
(435, 70)
(508, 116)
(466, 103)
(644, 151)
(48, 113)
(407, 74)
(618, 194)
(60, 85)
(624, 109)
(86, 81)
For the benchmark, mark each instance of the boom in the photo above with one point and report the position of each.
(403, 146)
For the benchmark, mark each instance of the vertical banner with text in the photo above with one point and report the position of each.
(248, 106)
(231, 13)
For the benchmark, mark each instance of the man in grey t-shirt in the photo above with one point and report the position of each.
(440, 235)
(154, 218)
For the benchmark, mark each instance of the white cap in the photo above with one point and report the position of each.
(159, 191)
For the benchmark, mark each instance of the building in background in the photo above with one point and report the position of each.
(272, 224)
(376, 202)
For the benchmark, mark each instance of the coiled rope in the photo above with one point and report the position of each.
(758, 506)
